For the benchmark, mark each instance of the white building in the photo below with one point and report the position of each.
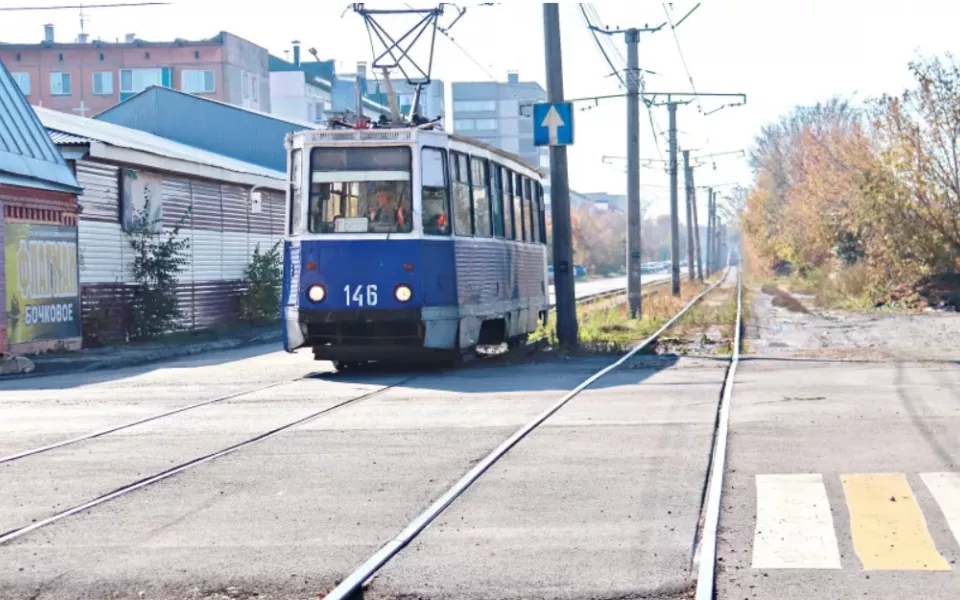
(499, 113)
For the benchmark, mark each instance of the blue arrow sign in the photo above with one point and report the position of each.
(553, 124)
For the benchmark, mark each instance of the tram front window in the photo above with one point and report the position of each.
(360, 190)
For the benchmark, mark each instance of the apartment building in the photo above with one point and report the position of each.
(85, 77)
(498, 113)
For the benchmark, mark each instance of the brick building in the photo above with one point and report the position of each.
(88, 77)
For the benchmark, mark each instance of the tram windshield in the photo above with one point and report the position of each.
(360, 190)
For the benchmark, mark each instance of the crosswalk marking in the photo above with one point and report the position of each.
(887, 525)
(794, 526)
(945, 488)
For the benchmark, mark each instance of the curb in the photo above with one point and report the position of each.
(166, 354)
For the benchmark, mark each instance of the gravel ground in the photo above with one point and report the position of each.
(842, 335)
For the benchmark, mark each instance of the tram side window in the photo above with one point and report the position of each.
(296, 193)
(527, 212)
(543, 214)
(536, 213)
(481, 198)
(506, 193)
(518, 207)
(463, 220)
(436, 203)
(496, 199)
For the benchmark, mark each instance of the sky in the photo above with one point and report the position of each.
(780, 53)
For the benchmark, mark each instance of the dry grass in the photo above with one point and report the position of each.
(608, 328)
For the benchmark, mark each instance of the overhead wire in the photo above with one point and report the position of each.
(447, 35)
(590, 27)
(683, 59)
(593, 20)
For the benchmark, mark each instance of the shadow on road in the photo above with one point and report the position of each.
(491, 375)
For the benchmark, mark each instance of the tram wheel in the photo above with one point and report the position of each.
(343, 365)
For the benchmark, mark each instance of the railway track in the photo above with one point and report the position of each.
(352, 586)
(16, 533)
(182, 409)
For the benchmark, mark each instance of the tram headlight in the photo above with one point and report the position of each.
(403, 293)
(316, 293)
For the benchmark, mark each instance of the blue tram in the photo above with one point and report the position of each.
(409, 244)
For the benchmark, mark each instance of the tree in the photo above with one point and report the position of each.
(920, 134)
(158, 258)
(264, 281)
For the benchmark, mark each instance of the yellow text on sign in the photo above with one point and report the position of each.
(888, 528)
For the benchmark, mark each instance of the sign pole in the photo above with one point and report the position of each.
(559, 187)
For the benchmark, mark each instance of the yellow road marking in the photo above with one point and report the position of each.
(887, 525)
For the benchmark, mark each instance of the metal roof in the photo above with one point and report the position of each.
(227, 130)
(73, 127)
(27, 156)
(63, 139)
(243, 109)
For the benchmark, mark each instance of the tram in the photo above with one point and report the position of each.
(409, 244)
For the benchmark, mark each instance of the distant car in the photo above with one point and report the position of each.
(579, 271)
(550, 274)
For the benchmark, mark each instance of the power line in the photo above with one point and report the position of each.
(596, 24)
(468, 55)
(614, 70)
(82, 6)
(683, 59)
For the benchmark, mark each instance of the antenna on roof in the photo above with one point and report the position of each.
(82, 38)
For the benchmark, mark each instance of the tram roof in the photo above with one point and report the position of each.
(398, 134)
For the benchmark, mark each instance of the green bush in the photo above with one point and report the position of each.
(264, 279)
(158, 258)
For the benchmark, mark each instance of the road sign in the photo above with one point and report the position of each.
(553, 124)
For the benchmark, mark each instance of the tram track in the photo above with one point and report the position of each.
(232, 396)
(351, 587)
(16, 533)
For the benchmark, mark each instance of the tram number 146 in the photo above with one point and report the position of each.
(361, 295)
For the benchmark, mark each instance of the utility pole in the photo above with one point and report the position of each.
(633, 85)
(709, 231)
(634, 245)
(688, 195)
(696, 228)
(674, 217)
(559, 189)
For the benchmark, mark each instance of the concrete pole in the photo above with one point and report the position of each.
(688, 195)
(709, 231)
(696, 227)
(674, 205)
(563, 276)
(634, 248)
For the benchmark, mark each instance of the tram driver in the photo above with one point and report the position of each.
(388, 211)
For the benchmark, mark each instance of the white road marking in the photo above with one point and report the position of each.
(945, 488)
(794, 526)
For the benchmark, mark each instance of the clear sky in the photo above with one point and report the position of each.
(779, 52)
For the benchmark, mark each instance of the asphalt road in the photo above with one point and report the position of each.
(599, 286)
(601, 502)
(842, 482)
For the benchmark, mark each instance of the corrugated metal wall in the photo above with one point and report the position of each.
(222, 233)
(100, 199)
